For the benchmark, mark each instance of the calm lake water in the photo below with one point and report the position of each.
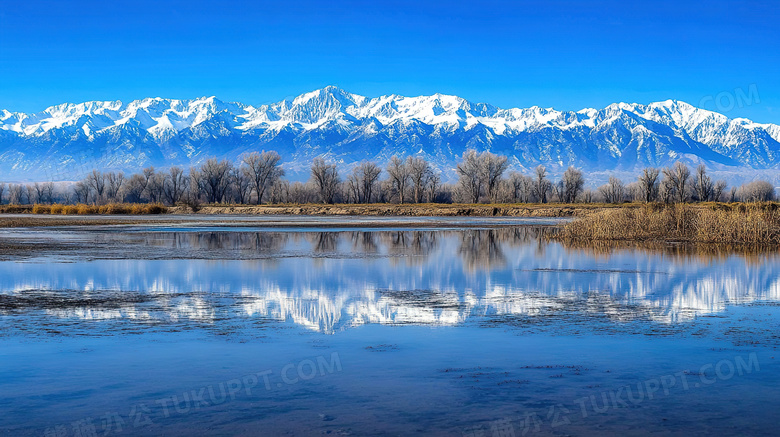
(318, 326)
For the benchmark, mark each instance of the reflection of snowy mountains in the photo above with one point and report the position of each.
(334, 280)
(623, 300)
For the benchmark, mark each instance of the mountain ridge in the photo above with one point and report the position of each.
(65, 140)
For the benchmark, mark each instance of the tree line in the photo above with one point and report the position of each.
(258, 178)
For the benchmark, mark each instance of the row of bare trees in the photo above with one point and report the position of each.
(249, 181)
(481, 179)
(677, 184)
(28, 193)
(410, 180)
(258, 178)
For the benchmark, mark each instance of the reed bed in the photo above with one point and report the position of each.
(754, 224)
(109, 209)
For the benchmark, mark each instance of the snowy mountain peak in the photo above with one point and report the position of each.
(331, 103)
(333, 122)
(321, 105)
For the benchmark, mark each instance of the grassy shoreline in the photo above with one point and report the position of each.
(374, 209)
(718, 223)
(404, 210)
(84, 209)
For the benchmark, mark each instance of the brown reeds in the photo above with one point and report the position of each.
(717, 223)
(109, 209)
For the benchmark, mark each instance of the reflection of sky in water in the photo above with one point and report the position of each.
(328, 281)
(440, 332)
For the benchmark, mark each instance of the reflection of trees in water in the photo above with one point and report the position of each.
(324, 242)
(527, 235)
(409, 247)
(410, 242)
(484, 248)
(260, 242)
(363, 242)
(420, 243)
(481, 249)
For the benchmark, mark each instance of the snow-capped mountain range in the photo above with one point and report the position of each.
(66, 141)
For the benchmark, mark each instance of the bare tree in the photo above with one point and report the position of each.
(2, 189)
(702, 185)
(155, 186)
(44, 192)
(717, 192)
(481, 174)
(280, 191)
(542, 185)
(572, 185)
(666, 190)
(420, 174)
(174, 185)
(148, 173)
(17, 194)
(97, 184)
(434, 187)
(756, 191)
(263, 170)
(613, 191)
(48, 192)
(194, 192)
(399, 174)
(493, 168)
(36, 193)
(325, 178)
(362, 182)
(351, 188)
(368, 173)
(521, 186)
(648, 184)
(81, 191)
(240, 185)
(588, 196)
(676, 182)
(114, 183)
(133, 190)
(215, 179)
(471, 178)
(557, 191)
(300, 193)
(633, 191)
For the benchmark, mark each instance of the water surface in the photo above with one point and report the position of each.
(380, 327)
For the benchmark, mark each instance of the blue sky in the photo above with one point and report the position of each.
(561, 54)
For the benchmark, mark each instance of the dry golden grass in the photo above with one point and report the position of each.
(373, 209)
(15, 209)
(406, 209)
(83, 209)
(70, 210)
(709, 223)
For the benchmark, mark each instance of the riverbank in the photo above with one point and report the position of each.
(404, 210)
(378, 209)
(718, 223)
(99, 223)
